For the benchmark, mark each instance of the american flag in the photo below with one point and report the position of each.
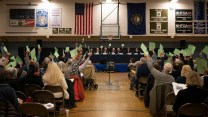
(83, 18)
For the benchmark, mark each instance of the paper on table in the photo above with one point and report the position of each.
(177, 87)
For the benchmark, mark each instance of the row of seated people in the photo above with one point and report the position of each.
(158, 74)
(61, 74)
(120, 51)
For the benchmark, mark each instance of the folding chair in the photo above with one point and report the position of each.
(33, 109)
(45, 97)
(169, 101)
(29, 88)
(193, 110)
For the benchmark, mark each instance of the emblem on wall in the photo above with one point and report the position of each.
(136, 19)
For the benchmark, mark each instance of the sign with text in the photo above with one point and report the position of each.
(22, 23)
(158, 15)
(184, 27)
(158, 27)
(183, 14)
(199, 27)
(55, 17)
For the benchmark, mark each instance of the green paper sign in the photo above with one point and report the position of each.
(33, 53)
(144, 49)
(19, 60)
(201, 65)
(56, 54)
(205, 50)
(73, 53)
(28, 49)
(176, 51)
(39, 46)
(151, 46)
(191, 48)
(67, 49)
(5, 49)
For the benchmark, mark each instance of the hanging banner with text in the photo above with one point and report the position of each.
(55, 18)
(158, 15)
(199, 27)
(199, 9)
(183, 15)
(184, 27)
(158, 27)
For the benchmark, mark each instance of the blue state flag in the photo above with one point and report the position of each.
(136, 18)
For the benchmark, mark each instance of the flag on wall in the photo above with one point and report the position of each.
(136, 18)
(83, 19)
(199, 9)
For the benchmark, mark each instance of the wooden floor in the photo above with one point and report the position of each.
(114, 100)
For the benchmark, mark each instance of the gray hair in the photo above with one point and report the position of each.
(168, 68)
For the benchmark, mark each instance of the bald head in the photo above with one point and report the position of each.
(168, 68)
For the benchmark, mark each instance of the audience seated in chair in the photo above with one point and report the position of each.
(8, 93)
(193, 94)
(185, 73)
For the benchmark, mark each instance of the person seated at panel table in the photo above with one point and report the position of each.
(113, 51)
(136, 51)
(105, 51)
(122, 49)
(129, 51)
(119, 51)
(97, 51)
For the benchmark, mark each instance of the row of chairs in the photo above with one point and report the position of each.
(188, 109)
(44, 96)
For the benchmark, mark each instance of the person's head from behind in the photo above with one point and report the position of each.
(53, 74)
(194, 80)
(62, 66)
(168, 68)
(33, 68)
(10, 73)
(186, 71)
(142, 60)
(157, 66)
(132, 60)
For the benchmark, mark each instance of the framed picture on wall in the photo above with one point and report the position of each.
(62, 31)
(55, 31)
(68, 30)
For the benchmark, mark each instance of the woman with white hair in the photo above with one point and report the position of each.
(55, 77)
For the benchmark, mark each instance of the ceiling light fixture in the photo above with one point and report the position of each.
(45, 1)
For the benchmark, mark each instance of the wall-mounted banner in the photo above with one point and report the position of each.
(41, 18)
(68, 30)
(199, 9)
(22, 23)
(158, 15)
(158, 27)
(184, 27)
(55, 17)
(183, 14)
(199, 27)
